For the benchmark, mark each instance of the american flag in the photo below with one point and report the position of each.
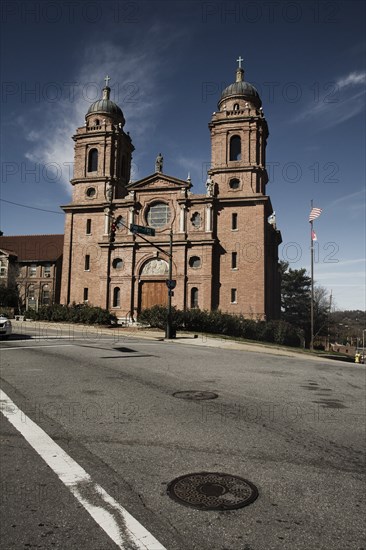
(315, 213)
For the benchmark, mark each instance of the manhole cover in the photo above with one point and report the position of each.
(196, 395)
(212, 491)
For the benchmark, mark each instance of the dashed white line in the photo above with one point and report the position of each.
(122, 528)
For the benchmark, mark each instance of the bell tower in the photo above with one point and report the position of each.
(239, 133)
(103, 153)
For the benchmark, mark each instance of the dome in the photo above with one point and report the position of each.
(105, 105)
(241, 89)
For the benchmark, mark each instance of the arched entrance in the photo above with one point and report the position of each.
(152, 286)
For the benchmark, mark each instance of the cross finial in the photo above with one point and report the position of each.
(107, 79)
(239, 60)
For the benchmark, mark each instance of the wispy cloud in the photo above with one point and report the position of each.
(344, 100)
(356, 198)
(135, 71)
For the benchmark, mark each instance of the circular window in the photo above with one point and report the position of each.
(91, 192)
(195, 262)
(234, 184)
(117, 263)
(158, 215)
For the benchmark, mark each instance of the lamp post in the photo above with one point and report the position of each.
(169, 332)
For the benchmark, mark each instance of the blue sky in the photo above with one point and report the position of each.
(168, 63)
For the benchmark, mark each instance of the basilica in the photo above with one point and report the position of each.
(126, 240)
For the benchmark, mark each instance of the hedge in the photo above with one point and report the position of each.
(76, 313)
(217, 322)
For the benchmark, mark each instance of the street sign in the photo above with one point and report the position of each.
(171, 283)
(134, 228)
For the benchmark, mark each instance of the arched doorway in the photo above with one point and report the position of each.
(152, 286)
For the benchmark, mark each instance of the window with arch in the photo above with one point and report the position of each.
(195, 262)
(194, 298)
(236, 107)
(97, 122)
(116, 297)
(235, 148)
(93, 160)
(234, 183)
(117, 263)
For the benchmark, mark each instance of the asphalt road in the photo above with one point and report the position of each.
(294, 427)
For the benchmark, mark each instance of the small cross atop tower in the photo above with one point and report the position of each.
(239, 60)
(107, 79)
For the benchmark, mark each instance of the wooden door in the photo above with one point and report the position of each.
(153, 293)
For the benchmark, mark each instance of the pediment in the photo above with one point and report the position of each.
(158, 180)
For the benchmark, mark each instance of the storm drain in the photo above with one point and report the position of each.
(195, 395)
(212, 491)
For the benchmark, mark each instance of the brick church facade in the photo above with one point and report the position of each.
(224, 242)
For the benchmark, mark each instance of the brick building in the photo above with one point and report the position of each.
(224, 242)
(32, 263)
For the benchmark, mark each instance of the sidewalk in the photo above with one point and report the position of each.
(195, 339)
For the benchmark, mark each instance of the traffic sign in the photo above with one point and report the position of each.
(171, 283)
(134, 228)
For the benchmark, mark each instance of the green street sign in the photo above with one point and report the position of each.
(142, 229)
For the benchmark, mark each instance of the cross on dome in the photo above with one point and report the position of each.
(107, 79)
(239, 60)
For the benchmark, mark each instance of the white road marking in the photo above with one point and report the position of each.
(125, 531)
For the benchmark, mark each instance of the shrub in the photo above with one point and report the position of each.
(76, 313)
(217, 322)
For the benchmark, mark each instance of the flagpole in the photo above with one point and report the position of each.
(312, 285)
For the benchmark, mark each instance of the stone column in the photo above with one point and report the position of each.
(106, 221)
(208, 218)
(130, 218)
(182, 219)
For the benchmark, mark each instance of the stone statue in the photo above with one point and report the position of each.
(109, 192)
(210, 186)
(159, 163)
(272, 219)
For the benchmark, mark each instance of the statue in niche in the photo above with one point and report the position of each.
(109, 192)
(210, 187)
(159, 163)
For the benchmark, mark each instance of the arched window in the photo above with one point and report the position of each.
(116, 297)
(194, 297)
(235, 148)
(195, 261)
(236, 107)
(93, 160)
(117, 263)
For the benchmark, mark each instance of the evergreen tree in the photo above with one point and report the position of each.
(295, 297)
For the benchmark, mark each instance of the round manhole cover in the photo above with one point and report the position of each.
(212, 491)
(195, 395)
